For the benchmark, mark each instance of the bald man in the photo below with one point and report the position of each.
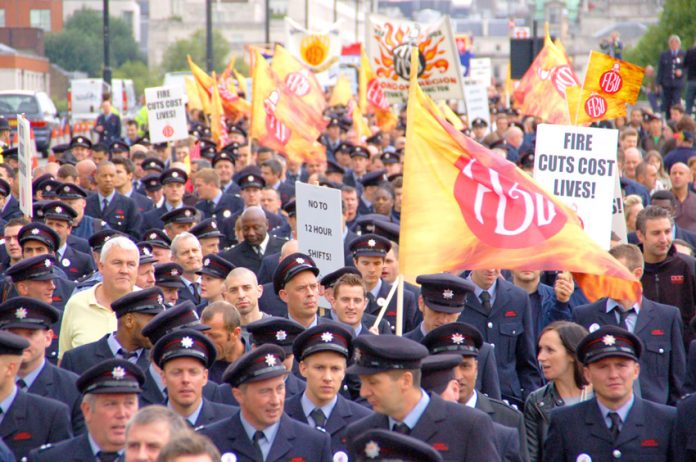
(514, 138)
(256, 243)
(632, 157)
(86, 170)
(680, 175)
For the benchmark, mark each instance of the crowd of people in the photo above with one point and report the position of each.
(157, 307)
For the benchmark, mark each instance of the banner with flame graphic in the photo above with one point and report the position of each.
(319, 51)
(389, 45)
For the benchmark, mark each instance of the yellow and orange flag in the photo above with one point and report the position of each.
(280, 119)
(371, 98)
(466, 207)
(298, 78)
(341, 93)
(234, 106)
(541, 91)
(218, 127)
(609, 85)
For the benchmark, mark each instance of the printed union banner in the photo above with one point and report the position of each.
(389, 46)
(317, 50)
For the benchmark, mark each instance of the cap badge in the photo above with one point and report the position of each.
(327, 337)
(119, 373)
(372, 450)
(187, 342)
(300, 261)
(175, 272)
(48, 187)
(609, 340)
(281, 335)
(175, 174)
(47, 263)
(271, 360)
(448, 294)
(153, 236)
(457, 339)
(213, 224)
(371, 243)
(59, 209)
(146, 251)
(357, 354)
(21, 313)
(250, 178)
(35, 231)
(206, 262)
(160, 300)
(187, 213)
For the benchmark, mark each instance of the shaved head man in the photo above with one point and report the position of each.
(632, 157)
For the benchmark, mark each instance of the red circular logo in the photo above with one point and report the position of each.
(277, 129)
(502, 212)
(297, 83)
(595, 106)
(168, 131)
(611, 82)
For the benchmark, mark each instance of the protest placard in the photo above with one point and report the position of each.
(578, 164)
(166, 114)
(25, 152)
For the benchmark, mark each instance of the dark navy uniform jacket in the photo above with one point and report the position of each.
(75, 449)
(11, 209)
(344, 413)
(686, 429)
(212, 412)
(227, 227)
(121, 213)
(32, 421)
(227, 206)
(142, 202)
(508, 327)
(268, 265)
(243, 254)
(76, 264)
(457, 432)
(59, 384)
(81, 358)
(5, 453)
(412, 317)
(293, 441)
(646, 435)
(507, 443)
(152, 219)
(79, 243)
(663, 361)
(270, 302)
(88, 226)
(502, 414)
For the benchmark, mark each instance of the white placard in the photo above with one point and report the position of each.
(480, 70)
(25, 153)
(618, 214)
(578, 165)
(319, 226)
(166, 114)
(476, 98)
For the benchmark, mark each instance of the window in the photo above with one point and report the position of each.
(2, 17)
(40, 19)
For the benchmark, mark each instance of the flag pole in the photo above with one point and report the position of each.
(383, 308)
(400, 306)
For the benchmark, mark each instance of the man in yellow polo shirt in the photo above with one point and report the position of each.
(88, 315)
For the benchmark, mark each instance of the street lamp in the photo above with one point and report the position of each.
(209, 35)
(106, 75)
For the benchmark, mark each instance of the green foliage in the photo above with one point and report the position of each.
(140, 74)
(79, 47)
(677, 18)
(175, 56)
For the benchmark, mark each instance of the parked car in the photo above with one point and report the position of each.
(37, 107)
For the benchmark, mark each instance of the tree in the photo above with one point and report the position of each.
(175, 56)
(678, 18)
(79, 47)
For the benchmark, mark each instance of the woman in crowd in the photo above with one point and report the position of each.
(566, 382)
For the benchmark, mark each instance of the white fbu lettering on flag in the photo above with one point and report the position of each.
(389, 45)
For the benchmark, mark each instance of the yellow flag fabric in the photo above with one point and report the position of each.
(541, 91)
(613, 78)
(586, 106)
(371, 98)
(218, 127)
(191, 87)
(466, 207)
(280, 119)
(451, 117)
(298, 78)
(341, 93)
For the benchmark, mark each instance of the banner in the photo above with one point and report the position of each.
(166, 114)
(319, 51)
(542, 90)
(477, 106)
(466, 207)
(578, 165)
(389, 43)
(25, 150)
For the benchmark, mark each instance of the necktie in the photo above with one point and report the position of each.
(319, 418)
(257, 446)
(623, 314)
(401, 428)
(105, 204)
(107, 456)
(22, 384)
(615, 423)
(127, 354)
(195, 292)
(259, 252)
(485, 300)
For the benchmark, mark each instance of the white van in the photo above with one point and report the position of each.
(85, 97)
